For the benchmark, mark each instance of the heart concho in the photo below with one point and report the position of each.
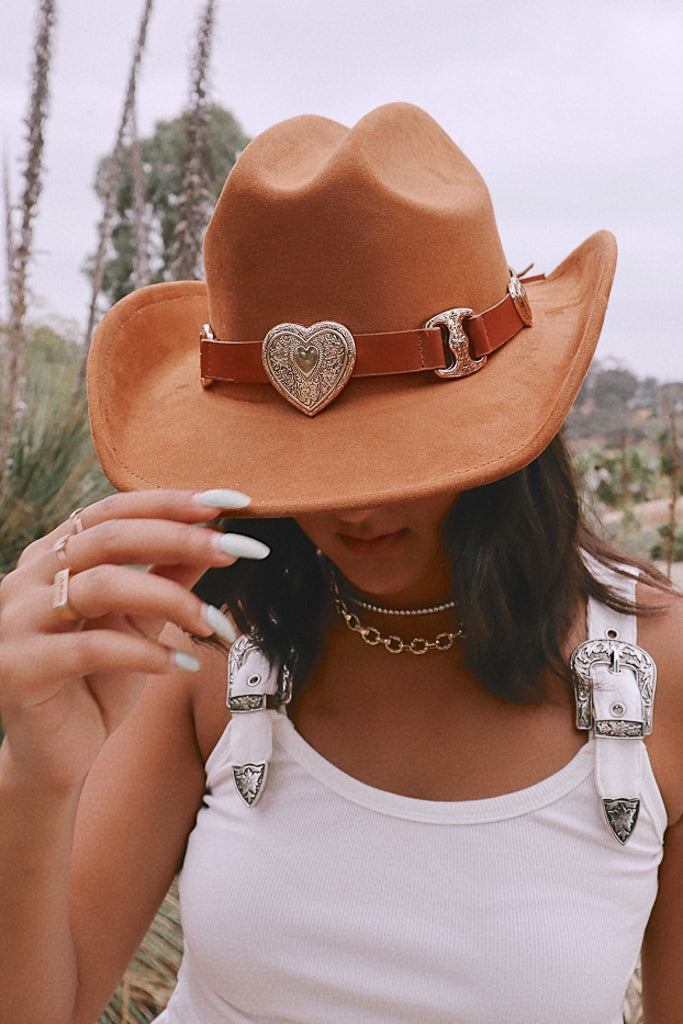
(309, 366)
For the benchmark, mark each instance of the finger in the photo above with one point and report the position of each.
(176, 505)
(180, 506)
(153, 541)
(59, 659)
(146, 600)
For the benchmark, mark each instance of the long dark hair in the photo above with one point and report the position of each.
(518, 574)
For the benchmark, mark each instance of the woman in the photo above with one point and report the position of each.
(406, 812)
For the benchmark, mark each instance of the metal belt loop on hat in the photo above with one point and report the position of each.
(462, 364)
(517, 293)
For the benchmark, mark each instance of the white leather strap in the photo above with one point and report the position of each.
(617, 706)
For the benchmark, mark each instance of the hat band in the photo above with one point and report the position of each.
(453, 344)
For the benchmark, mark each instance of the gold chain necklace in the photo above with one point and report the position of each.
(394, 644)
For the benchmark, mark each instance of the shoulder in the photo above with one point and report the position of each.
(660, 633)
(204, 691)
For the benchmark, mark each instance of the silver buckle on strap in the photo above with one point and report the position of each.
(615, 654)
(462, 364)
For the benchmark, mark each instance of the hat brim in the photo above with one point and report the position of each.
(382, 440)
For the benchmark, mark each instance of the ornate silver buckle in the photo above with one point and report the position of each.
(207, 334)
(519, 298)
(615, 654)
(462, 364)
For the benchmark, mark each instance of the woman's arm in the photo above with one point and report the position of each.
(100, 775)
(662, 954)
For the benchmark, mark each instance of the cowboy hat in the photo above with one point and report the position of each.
(363, 340)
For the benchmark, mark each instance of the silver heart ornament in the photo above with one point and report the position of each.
(309, 366)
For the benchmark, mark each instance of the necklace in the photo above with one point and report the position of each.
(394, 644)
(432, 609)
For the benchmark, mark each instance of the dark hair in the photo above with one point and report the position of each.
(518, 574)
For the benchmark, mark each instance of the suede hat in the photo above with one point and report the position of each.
(363, 340)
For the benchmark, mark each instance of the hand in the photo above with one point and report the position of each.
(66, 684)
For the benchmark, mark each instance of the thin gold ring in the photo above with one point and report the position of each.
(77, 521)
(60, 596)
(59, 548)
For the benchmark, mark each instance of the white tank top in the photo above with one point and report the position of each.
(330, 902)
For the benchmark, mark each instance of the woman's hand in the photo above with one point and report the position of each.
(73, 661)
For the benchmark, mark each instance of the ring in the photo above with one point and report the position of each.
(59, 546)
(77, 521)
(60, 596)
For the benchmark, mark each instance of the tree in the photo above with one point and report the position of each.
(162, 158)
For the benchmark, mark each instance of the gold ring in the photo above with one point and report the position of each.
(59, 548)
(60, 596)
(77, 521)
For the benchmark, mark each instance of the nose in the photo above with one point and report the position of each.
(355, 515)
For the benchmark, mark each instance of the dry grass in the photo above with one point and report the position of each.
(147, 984)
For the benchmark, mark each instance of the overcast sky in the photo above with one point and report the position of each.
(572, 111)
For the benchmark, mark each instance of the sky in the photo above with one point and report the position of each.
(572, 111)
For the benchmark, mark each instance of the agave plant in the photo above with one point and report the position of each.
(52, 467)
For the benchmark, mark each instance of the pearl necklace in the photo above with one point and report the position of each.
(379, 609)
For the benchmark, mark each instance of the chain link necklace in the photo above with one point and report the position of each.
(392, 643)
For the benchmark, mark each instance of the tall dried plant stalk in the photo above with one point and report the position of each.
(675, 481)
(20, 248)
(114, 173)
(9, 227)
(140, 232)
(194, 201)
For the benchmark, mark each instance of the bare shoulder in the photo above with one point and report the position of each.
(661, 635)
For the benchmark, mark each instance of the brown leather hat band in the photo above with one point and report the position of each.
(241, 362)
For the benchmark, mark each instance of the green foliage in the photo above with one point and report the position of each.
(660, 549)
(617, 476)
(162, 162)
(606, 404)
(52, 467)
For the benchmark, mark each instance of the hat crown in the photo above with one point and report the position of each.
(378, 227)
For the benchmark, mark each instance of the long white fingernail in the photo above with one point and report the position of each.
(220, 623)
(243, 547)
(186, 661)
(221, 497)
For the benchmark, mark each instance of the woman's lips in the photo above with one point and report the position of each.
(380, 544)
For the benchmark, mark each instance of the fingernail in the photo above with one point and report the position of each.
(188, 662)
(243, 547)
(221, 497)
(220, 623)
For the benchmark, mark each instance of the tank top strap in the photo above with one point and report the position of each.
(615, 681)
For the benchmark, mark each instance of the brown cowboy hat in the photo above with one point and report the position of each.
(321, 381)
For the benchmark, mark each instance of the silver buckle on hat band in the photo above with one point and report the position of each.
(462, 364)
(518, 295)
